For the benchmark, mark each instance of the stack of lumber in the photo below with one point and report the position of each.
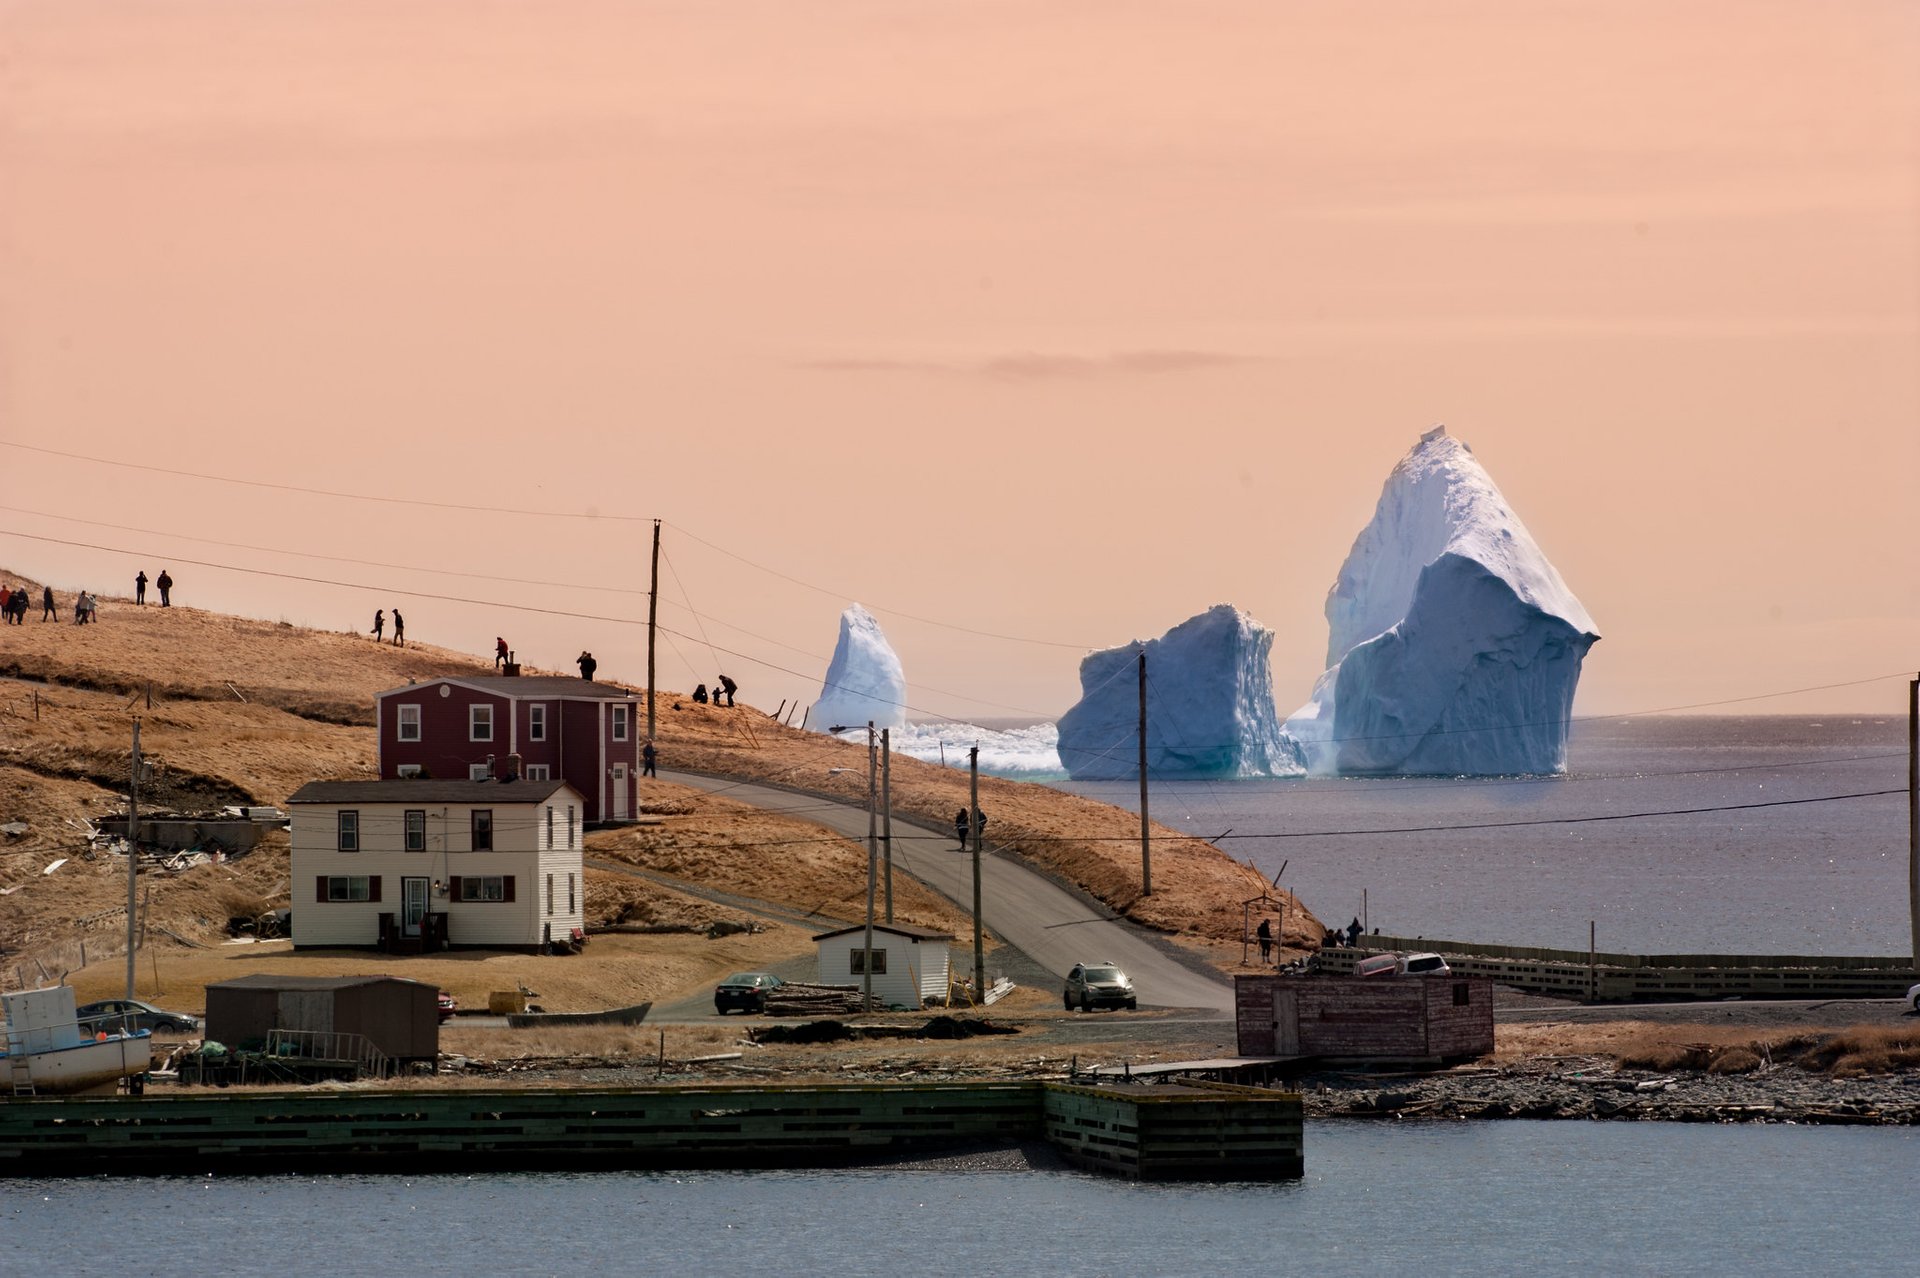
(797, 998)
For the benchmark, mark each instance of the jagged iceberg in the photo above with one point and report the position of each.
(864, 681)
(1454, 647)
(1210, 710)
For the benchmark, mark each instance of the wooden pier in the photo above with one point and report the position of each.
(1153, 1133)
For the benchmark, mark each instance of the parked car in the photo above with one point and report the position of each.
(745, 991)
(131, 1014)
(1402, 965)
(1091, 985)
(447, 1006)
(1913, 997)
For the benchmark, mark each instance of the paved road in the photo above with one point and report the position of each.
(1050, 925)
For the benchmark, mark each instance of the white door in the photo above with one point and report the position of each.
(620, 805)
(413, 905)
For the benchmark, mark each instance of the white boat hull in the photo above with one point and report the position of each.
(96, 1066)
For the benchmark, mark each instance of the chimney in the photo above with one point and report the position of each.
(511, 669)
(490, 767)
(513, 768)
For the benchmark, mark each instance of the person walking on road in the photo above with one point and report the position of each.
(960, 824)
(165, 582)
(647, 756)
(379, 624)
(399, 629)
(140, 588)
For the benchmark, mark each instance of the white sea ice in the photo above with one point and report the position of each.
(1210, 710)
(1453, 645)
(864, 680)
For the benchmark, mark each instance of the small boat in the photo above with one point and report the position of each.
(49, 1054)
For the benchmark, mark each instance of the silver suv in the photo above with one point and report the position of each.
(1091, 985)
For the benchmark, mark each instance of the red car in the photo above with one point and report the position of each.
(447, 1006)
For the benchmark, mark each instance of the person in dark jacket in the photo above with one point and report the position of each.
(587, 665)
(725, 687)
(1353, 933)
(140, 588)
(379, 624)
(47, 611)
(647, 758)
(165, 582)
(960, 825)
(399, 629)
(500, 653)
(700, 694)
(1265, 935)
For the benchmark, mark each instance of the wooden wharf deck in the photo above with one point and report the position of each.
(1177, 1132)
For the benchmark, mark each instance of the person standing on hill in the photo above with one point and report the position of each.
(399, 629)
(500, 653)
(587, 665)
(140, 588)
(725, 686)
(699, 694)
(1265, 935)
(47, 611)
(165, 582)
(379, 624)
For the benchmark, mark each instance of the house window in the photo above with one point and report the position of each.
(479, 772)
(483, 829)
(858, 963)
(416, 830)
(486, 887)
(549, 894)
(348, 887)
(539, 772)
(536, 723)
(480, 723)
(569, 825)
(348, 831)
(549, 827)
(571, 907)
(620, 722)
(1462, 994)
(409, 727)
(408, 771)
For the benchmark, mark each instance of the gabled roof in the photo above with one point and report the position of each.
(897, 929)
(269, 981)
(422, 790)
(526, 687)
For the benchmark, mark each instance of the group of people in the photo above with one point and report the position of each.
(722, 687)
(380, 625)
(962, 827)
(163, 583)
(14, 604)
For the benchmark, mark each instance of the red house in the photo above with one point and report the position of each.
(539, 727)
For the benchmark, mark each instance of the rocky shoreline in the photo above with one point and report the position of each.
(1593, 1088)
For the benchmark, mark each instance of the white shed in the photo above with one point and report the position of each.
(909, 963)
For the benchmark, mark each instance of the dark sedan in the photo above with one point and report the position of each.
(745, 992)
(128, 1014)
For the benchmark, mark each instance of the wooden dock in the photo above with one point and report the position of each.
(1166, 1132)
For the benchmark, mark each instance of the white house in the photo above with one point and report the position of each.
(414, 866)
(909, 963)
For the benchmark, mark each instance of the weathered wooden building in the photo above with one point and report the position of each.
(399, 1018)
(1412, 1017)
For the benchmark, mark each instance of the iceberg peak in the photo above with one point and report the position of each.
(864, 680)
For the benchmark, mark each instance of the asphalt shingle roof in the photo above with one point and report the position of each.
(422, 790)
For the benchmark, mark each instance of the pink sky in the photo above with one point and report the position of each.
(1061, 322)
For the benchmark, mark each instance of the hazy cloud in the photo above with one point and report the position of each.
(1035, 366)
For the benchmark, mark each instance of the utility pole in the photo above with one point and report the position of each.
(133, 847)
(653, 621)
(873, 857)
(886, 812)
(1146, 856)
(973, 820)
(1913, 816)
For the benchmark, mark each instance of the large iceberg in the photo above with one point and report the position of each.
(864, 681)
(1454, 647)
(1210, 709)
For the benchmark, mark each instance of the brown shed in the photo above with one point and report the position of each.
(1401, 1016)
(400, 1018)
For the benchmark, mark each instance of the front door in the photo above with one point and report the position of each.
(1286, 1023)
(620, 806)
(413, 905)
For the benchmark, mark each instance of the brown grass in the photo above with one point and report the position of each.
(1851, 1052)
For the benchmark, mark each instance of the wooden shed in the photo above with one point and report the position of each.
(909, 963)
(399, 1018)
(1413, 1017)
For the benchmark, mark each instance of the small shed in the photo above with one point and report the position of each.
(1418, 1017)
(399, 1018)
(909, 963)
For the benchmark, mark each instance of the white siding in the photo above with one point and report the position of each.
(519, 838)
(916, 969)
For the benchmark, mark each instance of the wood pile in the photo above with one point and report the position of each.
(798, 998)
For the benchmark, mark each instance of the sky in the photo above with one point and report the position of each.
(1033, 328)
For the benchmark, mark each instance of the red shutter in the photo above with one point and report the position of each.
(453, 887)
(373, 887)
(320, 887)
(506, 887)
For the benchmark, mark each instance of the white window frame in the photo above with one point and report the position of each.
(479, 715)
(409, 830)
(622, 717)
(409, 718)
(346, 830)
(857, 961)
(536, 723)
(483, 887)
(408, 771)
(478, 772)
(539, 772)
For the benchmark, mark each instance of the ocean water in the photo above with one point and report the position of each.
(1523, 860)
(1380, 1199)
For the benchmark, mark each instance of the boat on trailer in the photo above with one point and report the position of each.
(49, 1053)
